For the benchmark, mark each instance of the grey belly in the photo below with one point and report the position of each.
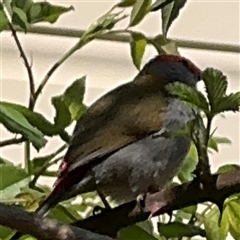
(133, 169)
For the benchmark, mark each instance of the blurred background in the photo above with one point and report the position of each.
(108, 64)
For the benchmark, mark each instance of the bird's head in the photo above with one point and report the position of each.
(172, 68)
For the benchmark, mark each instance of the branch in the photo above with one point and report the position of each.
(161, 202)
(25, 60)
(43, 228)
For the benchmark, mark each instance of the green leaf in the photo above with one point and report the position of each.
(164, 46)
(230, 102)
(46, 12)
(188, 94)
(178, 230)
(214, 141)
(159, 4)
(170, 13)
(139, 11)
(12, 179)
(212, 144)
(227, 168)
(233, 208)
(138, 44)
(135, 232)
(63, 213)
(147, 226)
(126, 3)
(5, 233)
(3, 18)
(35, 119)
(222, 140)
(63, 116)
(15, 122)
(69, 106)
(101, 26)
(186, 171)
(215, 83)
(19, 18)
(216, 87)
(4, 161)
(73, 98)
(25, 5)
(37, 163)
(211, 224)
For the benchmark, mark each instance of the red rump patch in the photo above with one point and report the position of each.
(186, 62)
(62, 168)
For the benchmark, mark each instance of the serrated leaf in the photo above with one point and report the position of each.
(46, 12)
(216, 86)
(3, 18)
(230, 102)
(35, 119)
(138, 44)
(139, 11)
(215, 82)
(135, 232)
(126, 3)
(179, 230)
(19, 18)
(188, 94)
(170, 13)
(15, 122)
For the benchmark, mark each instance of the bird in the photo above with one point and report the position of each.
(113, 149)
(117, 148)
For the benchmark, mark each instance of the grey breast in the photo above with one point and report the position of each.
(150, 161)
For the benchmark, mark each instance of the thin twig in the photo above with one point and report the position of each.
(76, 47)
(11, 141)
(26, 63)
(48, 164)
(42, 170)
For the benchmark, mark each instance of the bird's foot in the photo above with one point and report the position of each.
(142, 197)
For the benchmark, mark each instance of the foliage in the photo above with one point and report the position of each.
(19, 185)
